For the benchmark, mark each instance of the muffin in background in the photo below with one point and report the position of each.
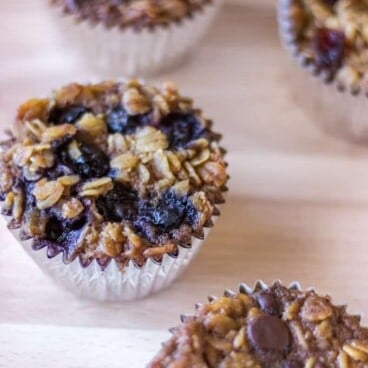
(329, 40)
(267, 327)
(112, 187)
(134, 37)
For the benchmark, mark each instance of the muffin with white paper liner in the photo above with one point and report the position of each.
(133, 37)
(112, 187)
(329, 41)
(267, 327)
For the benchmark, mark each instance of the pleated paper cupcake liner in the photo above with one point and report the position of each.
(338, 109)
(115, 52)
(112, 284)
(248, 328)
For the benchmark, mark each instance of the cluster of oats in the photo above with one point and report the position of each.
(350, 17)
(34, 190)
(135, 13)
(276, 327)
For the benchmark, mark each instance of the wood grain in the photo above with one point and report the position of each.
(297, 208)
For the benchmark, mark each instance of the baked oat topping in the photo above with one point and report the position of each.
(135, 13)
(105, 171)
(332, 36)
(268, 327)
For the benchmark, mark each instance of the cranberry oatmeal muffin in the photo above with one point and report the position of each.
(112, 187)
(267, 327)
(329, 39)
(134, 36)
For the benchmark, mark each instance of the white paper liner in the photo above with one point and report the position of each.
(116, 52)
(343, 114)
(111, 284)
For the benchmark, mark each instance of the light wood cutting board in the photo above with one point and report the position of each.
(297, 207)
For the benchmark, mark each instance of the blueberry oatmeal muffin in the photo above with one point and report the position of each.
(267, 327)
(134, 36)
(329, 38)
(115, 182)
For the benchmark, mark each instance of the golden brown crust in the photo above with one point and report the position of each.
(120, 171)
(342, 51)
(276, 327)
(131, 13)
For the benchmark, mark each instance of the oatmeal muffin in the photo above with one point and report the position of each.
(329, 39)
(114, 182)
(267, 327)
(134, 36)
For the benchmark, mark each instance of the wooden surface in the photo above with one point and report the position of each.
(297, 209)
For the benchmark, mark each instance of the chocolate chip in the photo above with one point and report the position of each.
(268, 303)
(269, 334)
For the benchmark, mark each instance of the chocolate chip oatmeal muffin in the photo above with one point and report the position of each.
(329, 39)
(134, 36)
(267, 327)
(112, 186)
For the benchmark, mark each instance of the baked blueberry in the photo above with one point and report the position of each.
(134, 177)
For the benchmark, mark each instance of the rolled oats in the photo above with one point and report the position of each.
(72, 208)
(137, 13)
(220, 334)
(150, 140)
(333, 36)
(135, 103)
(58, 132)
(96, 187)
(95, 170)
(91, 126)
(47, 193)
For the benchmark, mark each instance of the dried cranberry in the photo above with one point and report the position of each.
(67, 115)
(118, 204)
(329, 47)
(92, 163)
(180, 128)
(119, 121)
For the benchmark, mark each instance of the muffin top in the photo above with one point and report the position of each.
(135, 13)
(332, 37)
(268, 327)
(115, 170)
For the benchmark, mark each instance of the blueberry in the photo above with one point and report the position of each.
(58, 170)
(62, 234)
(119, 121)
(181, 128)
(92, 163)
(74, 5)
(168, 214)
(118, 204)
(67, 115)
(55, 230)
